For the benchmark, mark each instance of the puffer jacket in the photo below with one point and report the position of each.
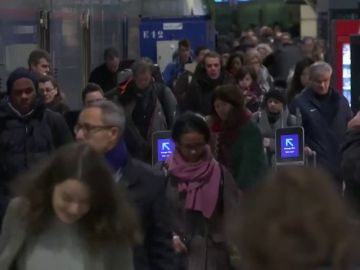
(26, 139)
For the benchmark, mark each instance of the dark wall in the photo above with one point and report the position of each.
(343, 4)
(261, 12)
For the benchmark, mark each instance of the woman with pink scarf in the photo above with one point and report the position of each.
(202, 197)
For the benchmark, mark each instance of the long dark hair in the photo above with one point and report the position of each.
(110, 217)
(189, 122)
(232, 57)
(295, 85)
(232, 94)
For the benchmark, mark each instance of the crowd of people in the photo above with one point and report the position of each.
(77, 189)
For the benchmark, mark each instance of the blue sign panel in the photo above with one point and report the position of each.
(290, 146)
(165, 148)
(198, 30)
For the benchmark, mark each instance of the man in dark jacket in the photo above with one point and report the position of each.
(102, 126)
(28, 131)
(149, 106)
(185, 79)
(105, 75)
(285, 58)
(325, 114)
(200, 92)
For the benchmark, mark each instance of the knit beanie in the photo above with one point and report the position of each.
(275, 94)
(20, 73)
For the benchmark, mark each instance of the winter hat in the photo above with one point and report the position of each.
(20, 73)
(275, 94)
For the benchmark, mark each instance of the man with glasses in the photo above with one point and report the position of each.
(102, 126)
(28, 131)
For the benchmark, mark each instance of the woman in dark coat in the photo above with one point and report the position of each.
(202, 197)
(236, 141)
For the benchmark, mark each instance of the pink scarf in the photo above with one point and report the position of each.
(200, 181)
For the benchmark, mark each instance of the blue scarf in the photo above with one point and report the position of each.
(117, 157)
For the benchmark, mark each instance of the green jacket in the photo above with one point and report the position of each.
(248, 158)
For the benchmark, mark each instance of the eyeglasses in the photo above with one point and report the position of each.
(47, 90)
(88, 128)
(193, 147)
(94, 101)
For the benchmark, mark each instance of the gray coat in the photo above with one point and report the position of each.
(268, 130)
(14, 235)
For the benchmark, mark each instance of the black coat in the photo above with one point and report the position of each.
(146, 190)
(324, 127)
(350, 166)
(24, 140)
(105, 78)
(285, 58)
(201, 90)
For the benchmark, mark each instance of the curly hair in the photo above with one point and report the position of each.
(110, 218)
(296, 220)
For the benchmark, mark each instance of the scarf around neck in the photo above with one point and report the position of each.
(117, 157)
(200, 181)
